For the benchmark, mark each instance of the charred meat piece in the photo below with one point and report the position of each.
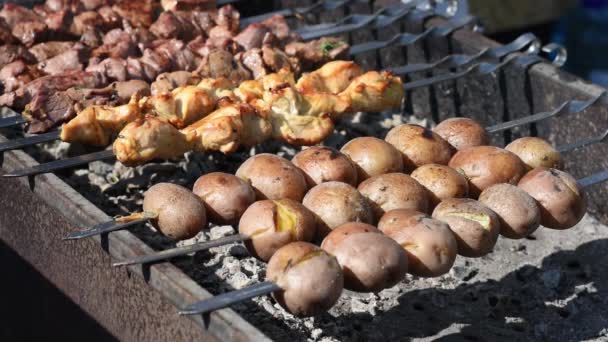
(228, 17)
(11, 53)
(50, 109)
(27, 26)
(23, 95)
(92, 37)
(6, 36)
(71, 60)
(17, 74)
(188, 5)
(137, 13)
(315, 53)
(170, 25)
(252, 36)
(117, 43)
(46, 50)
(220, 63)
(170, 80)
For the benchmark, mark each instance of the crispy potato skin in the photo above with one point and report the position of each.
(273, 177)
(311, 279)
(462, 133)
(225, 196)
(430, 244)
(336, 203)
(323, 164)
(442, 182)
(485, 166)
(419, 146)
(394, 191)
(370, 261)
(475, 226)
(272, 224)
(536, 152)
(373, 157)
(561, 201)
(181, 214)
(517, 211)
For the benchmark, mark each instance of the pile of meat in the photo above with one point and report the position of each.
(63, 55)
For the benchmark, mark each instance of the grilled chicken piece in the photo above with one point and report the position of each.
(275, 109)
(96, 125)
(332, 77)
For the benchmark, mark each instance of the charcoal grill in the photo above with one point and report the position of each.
(140, 303)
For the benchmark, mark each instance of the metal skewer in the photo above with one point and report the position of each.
(32, 140)
(181, 251)
(230, 298)
(104, 227)
(12, 121)
(62, 164)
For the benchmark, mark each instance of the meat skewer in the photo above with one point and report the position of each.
(567, 107)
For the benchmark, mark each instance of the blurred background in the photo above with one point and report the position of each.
(579, 25)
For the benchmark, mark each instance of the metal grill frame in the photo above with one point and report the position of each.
(36, 212)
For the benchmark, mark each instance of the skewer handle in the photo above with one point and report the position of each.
(104, 227)
(179, 251)
(230, 298)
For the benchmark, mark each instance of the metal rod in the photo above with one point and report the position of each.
(595, 178)
(12, 121)
(180, 251)
(568, 107)
(230, 298)
(29, 141)
(104, 227)
(319, 6)
(583, 143)
(61, 164)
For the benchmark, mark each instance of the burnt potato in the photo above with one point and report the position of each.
(336, 203)
(462, 133)
(535, 152)
(485, 166)
(272, 224)
(225, 196)
(442, 182)
(561, 201)
(475, 226)
(180, 214)
(323, 164)
(419, 146)
(311, 279)
(394, 191)
(430, 244)
(517, 211)
(273, 177)
(370, 261)
(373, 157)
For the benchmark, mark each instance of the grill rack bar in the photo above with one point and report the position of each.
(478, 69)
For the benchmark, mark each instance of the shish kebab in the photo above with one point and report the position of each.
(308, 53)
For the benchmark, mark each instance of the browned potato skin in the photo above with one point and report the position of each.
(323, 164)
(430, 244)
(373, 157)
(225, 196)
(535, 152)
(337, 203)
(473, 239)
(442, 182)
(394, 191)
(561, 201)
(342, 232)
(181, 214)
(273, 177)
(370, 261)
(485, 166)
(462, 133)
(419, 146)
(262, 222)
(311, 279)
(517, 211)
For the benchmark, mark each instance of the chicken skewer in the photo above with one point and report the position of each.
(566, 107)
(453, 60)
